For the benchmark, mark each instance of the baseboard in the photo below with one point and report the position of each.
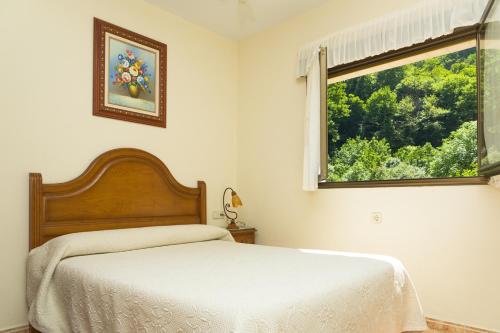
(21, 329)
(440, 325)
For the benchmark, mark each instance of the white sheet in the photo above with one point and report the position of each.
(211, 285)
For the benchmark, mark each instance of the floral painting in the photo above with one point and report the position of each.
(130, 82)
(132, 76)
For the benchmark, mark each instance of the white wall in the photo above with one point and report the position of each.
(46, 122)
(448, 237)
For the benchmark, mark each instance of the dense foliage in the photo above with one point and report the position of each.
(413, 121)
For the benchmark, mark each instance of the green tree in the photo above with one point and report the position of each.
(457, 92)
(352, 126)
(381, 109)
(394, 168)
(464, 57)
(338, 109)
(390, 77)
(430, 122)
(412, 121)
(419, 156)
(360, 159)
(458, 154)
(406, 123)
(362, 86)
(416, 84)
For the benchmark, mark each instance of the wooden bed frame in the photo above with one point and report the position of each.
(122, 188)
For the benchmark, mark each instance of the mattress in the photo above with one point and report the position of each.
(215, 285)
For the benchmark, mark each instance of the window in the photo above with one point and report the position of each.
(410, 116)
(428, 114)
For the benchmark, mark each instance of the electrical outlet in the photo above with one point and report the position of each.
(376, 217)
(218, 215)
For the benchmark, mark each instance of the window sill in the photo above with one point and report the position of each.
(407, 182)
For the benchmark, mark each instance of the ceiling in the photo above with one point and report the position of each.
(236, 19)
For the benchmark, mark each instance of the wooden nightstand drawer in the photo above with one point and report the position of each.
(246, 235)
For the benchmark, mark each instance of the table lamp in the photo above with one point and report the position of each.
(235, 203)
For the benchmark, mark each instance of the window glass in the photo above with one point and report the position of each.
(411, 118)
(490, 92)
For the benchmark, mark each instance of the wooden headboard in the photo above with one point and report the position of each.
(122, 188)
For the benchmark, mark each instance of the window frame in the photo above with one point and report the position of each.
(459, 35)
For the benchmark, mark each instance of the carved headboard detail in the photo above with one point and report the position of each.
(122, 188)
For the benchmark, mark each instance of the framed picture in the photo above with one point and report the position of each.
(130, 73)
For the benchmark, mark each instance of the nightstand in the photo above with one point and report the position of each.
(244, 235)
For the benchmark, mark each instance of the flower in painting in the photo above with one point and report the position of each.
(133, 71)
(130, 54)
(126, 77)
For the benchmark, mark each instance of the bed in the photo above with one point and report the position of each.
(125, 248)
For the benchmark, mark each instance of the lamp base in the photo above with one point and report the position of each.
(232, 225)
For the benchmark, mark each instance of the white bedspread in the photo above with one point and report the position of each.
(196, 279)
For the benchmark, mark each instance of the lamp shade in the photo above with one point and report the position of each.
(235, 200)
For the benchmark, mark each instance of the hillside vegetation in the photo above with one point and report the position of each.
(414, 121)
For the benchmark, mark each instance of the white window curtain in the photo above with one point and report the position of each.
(312, 138)
(427, 19)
